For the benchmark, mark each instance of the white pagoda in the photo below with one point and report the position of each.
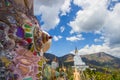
(78, 63)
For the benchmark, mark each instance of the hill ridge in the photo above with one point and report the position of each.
(100, 59)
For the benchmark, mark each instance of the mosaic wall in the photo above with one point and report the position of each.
(22, 42)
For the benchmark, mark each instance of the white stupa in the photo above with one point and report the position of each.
(78, 63)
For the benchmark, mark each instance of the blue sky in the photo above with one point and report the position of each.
(91, 26)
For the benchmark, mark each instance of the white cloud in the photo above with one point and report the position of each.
(95, 17)
(90, 4)
(91, 18)
(111, 30)
(66, 7)
(115, 0)
(93, 49)
(99, 39)
(62, 29)
(56, 38)
(115, 51)
(98, 32)
(75, 38)
(50, 10)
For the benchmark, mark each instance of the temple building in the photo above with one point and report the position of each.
(78, 63)
(54, 63)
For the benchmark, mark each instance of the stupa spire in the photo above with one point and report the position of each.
(76, 50)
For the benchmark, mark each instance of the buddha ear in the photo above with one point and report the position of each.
(26, 4)
(29, 6)
(20, 3)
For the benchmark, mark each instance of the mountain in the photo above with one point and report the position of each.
(50, 57)
(66, 60)
(100, 59)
